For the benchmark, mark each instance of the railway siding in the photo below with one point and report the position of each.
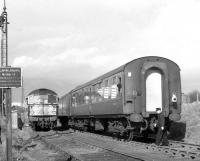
(89, 147)
(132, 149)
(80, 150)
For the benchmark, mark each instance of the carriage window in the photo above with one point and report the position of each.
(97, 93)
(106, 83)
(100, 91)
(114, 88)
(93, 94)
(91, 89)
(119, 84)
(86, 95)
(106, 92)
(81, 97)
(114, 80)
(109, 87)
(74, 103)
(77, 98)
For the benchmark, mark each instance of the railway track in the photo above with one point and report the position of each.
(90, 146)
(185, 149)
(76, 148)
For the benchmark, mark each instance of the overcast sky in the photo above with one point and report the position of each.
(62, 43)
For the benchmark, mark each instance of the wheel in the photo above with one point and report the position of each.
(130, 133)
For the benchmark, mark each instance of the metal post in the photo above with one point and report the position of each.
(4, 63)
(9, 126)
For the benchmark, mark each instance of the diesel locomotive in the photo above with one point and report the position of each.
(125, 99)
(42, 108)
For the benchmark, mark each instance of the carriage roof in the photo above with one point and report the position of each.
(121, 68)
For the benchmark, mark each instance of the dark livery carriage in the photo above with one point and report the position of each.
(42, 108)
(125, 100)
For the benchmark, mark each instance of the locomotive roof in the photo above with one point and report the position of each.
(42, 91)
(121, 68)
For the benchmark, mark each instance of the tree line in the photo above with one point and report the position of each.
(191, 97)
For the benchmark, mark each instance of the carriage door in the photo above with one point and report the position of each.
(153, 92)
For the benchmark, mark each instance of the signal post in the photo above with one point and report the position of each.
(9, 78)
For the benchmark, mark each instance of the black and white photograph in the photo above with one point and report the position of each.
(99, 80)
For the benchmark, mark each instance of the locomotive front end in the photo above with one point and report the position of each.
(42, 108)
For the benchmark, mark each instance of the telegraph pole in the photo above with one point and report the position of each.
(4, 63)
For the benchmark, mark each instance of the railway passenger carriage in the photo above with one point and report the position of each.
(125, 99)
(42, 108)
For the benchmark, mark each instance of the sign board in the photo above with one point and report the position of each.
(10, 77)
